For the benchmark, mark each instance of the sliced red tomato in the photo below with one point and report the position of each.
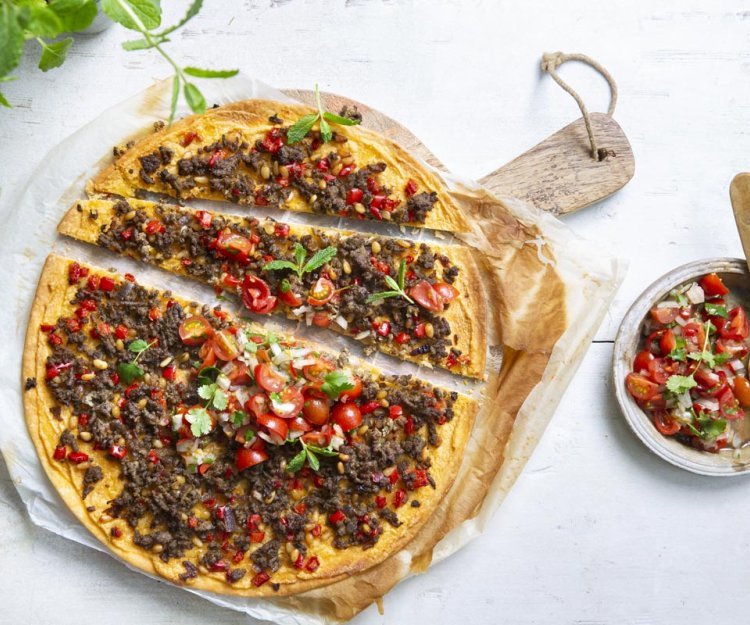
(713, 285)
(322, 319)
(289, 403)
(742, 390)
(225, 346)
(653, 342)
(640, 387)
(240, 374)
(256, 295)
(426, 296)
(321, 292)
(694, 335)
(288, 296)
(642, 360)
(250, 456)
(665, 423)
(268, 378)
(667, 342)
(447, 291)
(706, 378)
(276, 426)
(234, 246)
(318, 370)
(352, 393)
(738, 349)
(208, 354)
(348, 416)
(320, 438)
(737, 327)
(195, 330)
(316, 410)
(729, 406)
(657, 402)
(657, 371)
(299, 424)
(258, 404)
(665, 315)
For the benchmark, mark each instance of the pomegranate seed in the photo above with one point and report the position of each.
(299, 562)
(369, 406)
(312, 564)
(393, 477)
(409, 426)
(346, 170)
(192, 522)
(380, 501)
(395, 411)
(55, 339)
(402, 337)
(260, 579)
(60, 452)
(129, 277)
(411, 187)
(337, 517)
(354, 195)
(106, 284)
(239, 555)
(216, 157)
(419, 331)
(281, 230)
(382, 328)
(118, 451)
(154, 226)
(219, 566)
(322, 165)
(116, 532)
(154, 314)
(257, 537)
(169, 373)
(121, 332)
(316, 530)
(399, 498)
(152, 457)
(189, 138)
(127, 234)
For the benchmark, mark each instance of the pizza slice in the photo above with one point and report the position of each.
(421, 303)
(215, 453)
(243, 153)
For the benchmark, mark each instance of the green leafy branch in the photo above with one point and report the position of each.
(129, 372)
(300, 129)
(397, 288)
(309, 453)
(299, 266)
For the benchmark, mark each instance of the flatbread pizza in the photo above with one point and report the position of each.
(243, 153)
(215, 453)
(420, 302)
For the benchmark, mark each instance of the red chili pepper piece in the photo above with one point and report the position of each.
(337, 517)
(369, 406)
(77, 457)
(76, 272)
(409, 426)
(312, 564)
(260, 579)
(395, 411)
(380, 501)
(118, 451)
(60, 452)
(399, 498)
(169, 373)
(411, 187)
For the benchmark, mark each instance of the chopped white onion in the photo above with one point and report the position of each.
(266, 437)
(680, 321)
(695, 294)
(708, 403)
(294, 435)
(303, 362)
(176, 422)
(185, 445)
(299, 352)
(736, 365)
(276, 349)
(222, 381)
(668, 304)
(242, 394)
(298, 312)
(362, 335)
(309, 317)
(342, 322)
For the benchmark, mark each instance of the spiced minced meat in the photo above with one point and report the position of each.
(182, 488)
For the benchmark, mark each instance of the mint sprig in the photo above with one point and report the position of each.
(300, 129)
(397, 288)
(310, 454)
(299, 266)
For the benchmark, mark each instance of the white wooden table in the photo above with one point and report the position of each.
(596, 530)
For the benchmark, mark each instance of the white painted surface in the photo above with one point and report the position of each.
(596, 530)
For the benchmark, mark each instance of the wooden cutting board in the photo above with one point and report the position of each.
(557, 175)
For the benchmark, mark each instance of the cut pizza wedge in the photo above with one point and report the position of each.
(215, 453)
(421, 303)
(242, 153)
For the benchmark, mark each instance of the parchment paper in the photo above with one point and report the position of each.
(30, 216)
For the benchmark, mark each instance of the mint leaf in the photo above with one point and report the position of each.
(199, 420)
(210, 73)
(4, 102)
(322, 451)
(296, 463)
(192, 11)
(175, 97)
(401, 275)
(392, 283)
(74, 15)
(133, 14)
(275, 265)
(299, 254)
(44, 22)
(300, 128)
(375, 297)
(342, 121)
(194, 98)
(143, 44)
(320, 258)
(129, 372)
(325, 131)
(716, 310)
(220, 400)
(53, 54)
(336, 383)
(312, 459)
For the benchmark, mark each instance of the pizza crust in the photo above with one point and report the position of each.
(51, 302)
(248, 121)
(466, 315)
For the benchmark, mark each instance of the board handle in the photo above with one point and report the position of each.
(559, 175)
(739, 194)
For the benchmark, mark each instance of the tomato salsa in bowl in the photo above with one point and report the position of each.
(681, 367)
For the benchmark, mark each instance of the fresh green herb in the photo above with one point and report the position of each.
(716, 310)
(309, 453)
(129, 372)
(711, 428)
(199, 420)
(397, 288)
(336, 383)
(238, 418)
(208, 375)
(213, 395)
(300, 129)
(679, 384)
(299, 266)
(679, 350)
(680, 298)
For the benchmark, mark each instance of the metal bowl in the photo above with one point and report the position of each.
(629, 340)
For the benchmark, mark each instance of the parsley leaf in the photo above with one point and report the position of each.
(716, 310)
(678, 384)
(199, 420)
(336, 383)
(129, 372)
(238, 418)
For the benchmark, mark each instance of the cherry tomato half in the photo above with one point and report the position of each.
(321, 292)
(640, 387)
(737, 328)
(664, 315)
(289, 403)
(667, 342)
(352, 393)
(713, 285)
(318, 370)
(277, 427)
(249, 457)
(348, 416)
(427, 297)
(665, 423)
(195, 330)
(738, 349)
(233, 246)
(268, 378)
(316, 410)
(447, 291)
(288, 296)
(258, 404)
(225, 346)
(641, 361)
(694, 335)
(742, 390)
(256, 295)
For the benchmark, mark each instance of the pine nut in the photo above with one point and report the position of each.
(312, 199)
(348, 160)
(100, 364)
(375, 247)
(85, 436)
(332, 273)
(388, 471)
(203, 569)
(294, 554)
(363, 429)
(265, 172)
(322, 185)
(73, 422)
(119, 345)
(142, 403)
(405, 244)
(366, 528)
(429, 330)
(347, 267)
(340, 468)
(197, 542)
(344, 457)
(360, 208)
(157, 444)
(165, 362)
(275, 168)
(382, 394)
(201, 179)
(87, 377)
(284, 172)
(384, 403)
(158, 548)
(83, 466)
(105, 518)
(185, 357)
(269, 227)
(129, 215)
(386, 215)
(337, 169)
(116, 411)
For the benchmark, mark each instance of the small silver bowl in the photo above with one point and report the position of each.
(629, 341)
